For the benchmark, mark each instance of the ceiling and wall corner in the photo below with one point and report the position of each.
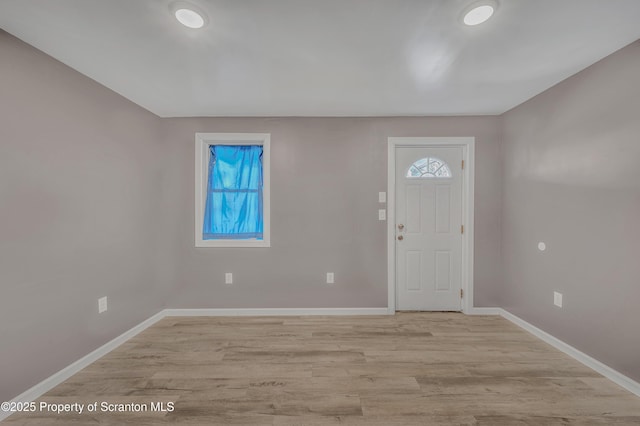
(325, 58)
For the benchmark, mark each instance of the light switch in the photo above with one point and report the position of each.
(102, 304)
(382, 214)
(557, 299)
(382, 197)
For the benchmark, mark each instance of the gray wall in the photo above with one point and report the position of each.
(326, 175)
(572, 180)
(79, 192)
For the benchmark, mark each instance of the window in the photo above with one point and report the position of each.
(232, 190)
(429, 168)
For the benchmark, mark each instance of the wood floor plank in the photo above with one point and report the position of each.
(408, 369)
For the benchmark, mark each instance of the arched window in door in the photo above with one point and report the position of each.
(429, 168)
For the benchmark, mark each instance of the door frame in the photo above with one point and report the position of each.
(468, 179)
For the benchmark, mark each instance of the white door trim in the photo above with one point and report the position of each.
(468, 178)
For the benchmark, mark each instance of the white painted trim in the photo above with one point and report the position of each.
(255, 312)
(483, 311)
(391, 224)
(203, 141)
(608, 372)
(468, 237)
(52, 381)
(468, 154)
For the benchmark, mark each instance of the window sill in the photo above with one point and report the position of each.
(233, 243)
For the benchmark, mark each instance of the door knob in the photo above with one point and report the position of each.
(400, 237)
(401, 227)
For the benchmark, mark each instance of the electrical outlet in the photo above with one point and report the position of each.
(557, 299)
(102, 304)
(330, 278)
(228, 278)
(382, 197)
(382, 214)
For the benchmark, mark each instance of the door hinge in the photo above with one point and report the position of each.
(463, 164)
(461, 293)
(462, 229)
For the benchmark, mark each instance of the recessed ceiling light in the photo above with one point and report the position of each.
(189, 18)
(189, 15)
(479, 12)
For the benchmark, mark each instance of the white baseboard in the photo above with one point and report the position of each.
(273, 312)
(608, 372)
(49, 383)
(483, 311)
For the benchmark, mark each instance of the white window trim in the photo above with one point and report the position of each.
(203, 142)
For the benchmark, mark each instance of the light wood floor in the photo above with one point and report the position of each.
(408, 369)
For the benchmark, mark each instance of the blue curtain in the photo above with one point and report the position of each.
(234, 193)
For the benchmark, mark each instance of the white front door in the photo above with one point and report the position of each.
(428, 228)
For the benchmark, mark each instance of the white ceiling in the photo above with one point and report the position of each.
(325, 57)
